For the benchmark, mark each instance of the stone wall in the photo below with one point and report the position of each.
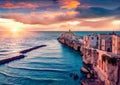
(108, 71)
(90, 56)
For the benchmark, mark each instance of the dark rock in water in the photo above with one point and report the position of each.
(11, 59)
(76, 76)
(71, 74)
(30, 49)
(81, 54)
(85, 70)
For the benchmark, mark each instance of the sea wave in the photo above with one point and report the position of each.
(35, 79)
(44, 66)
(40, 69)
(39, 65)
(46, 57)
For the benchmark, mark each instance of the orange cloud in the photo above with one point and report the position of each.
(74, 25)
(99, 24)
(22, 5)
(69, 4)
(44, 18)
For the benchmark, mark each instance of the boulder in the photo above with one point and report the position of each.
(83, 69)
(75, 76)
(71, 74)
(88, 75)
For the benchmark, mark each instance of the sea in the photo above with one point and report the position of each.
(50, 65)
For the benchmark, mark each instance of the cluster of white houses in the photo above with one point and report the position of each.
(102, 51)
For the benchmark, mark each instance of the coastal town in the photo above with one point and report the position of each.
(100, 53)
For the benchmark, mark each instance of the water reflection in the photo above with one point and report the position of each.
(46, 66)
(11, 43)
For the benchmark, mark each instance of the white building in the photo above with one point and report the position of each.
(91, 41)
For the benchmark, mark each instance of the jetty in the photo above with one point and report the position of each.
(31, 49)
(99, 51)
(9, 59)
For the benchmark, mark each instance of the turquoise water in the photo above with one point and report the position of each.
(50, 65)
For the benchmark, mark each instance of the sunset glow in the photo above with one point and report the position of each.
(58, 42)
(56, 15)
(15, 30)
(74, 23)
(116, 22)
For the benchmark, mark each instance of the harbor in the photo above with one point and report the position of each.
(99, 53)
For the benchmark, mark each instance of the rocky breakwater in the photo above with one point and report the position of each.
(31, 49)
(9, 59)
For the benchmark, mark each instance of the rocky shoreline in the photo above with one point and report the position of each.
(90, 74)
(101, 67)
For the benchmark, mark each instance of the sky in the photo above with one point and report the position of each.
(60, 15)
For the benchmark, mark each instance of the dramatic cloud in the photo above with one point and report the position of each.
(45, 18)
(110, 4)
(60, 15)
(93, 12)
(96, 24)
(29, 5)
(69, 4)
(92, 24)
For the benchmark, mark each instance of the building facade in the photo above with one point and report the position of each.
(91, 41)
(106, 45)
(116, 44)
(100, 38)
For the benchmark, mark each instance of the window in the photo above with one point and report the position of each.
(92, 38)
(97, 38)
